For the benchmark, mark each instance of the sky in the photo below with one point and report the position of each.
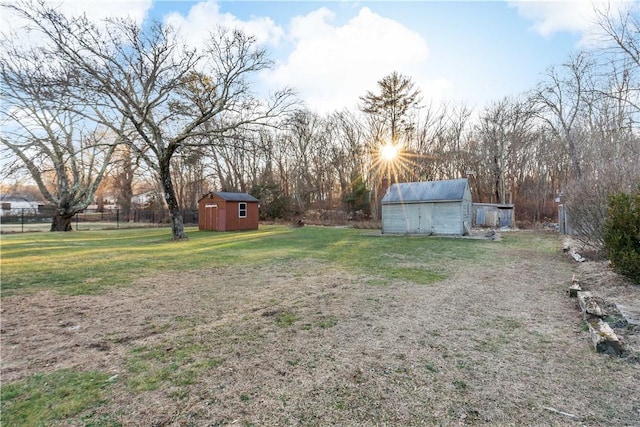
(333, 52)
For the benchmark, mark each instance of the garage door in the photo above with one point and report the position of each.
(410, 218)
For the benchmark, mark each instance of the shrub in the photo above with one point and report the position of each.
(357, 200)
(274, 203)
(587, 204)
(622, 234)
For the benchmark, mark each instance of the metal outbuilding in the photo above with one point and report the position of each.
(495, 215)
(225, 211)
(431, 207)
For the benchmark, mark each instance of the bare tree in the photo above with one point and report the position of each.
(591, 105)
(618, 32)
(65, 153)
(346, 151)
(432, 154)
(168, 93)
(458, 130)
(189, 178)
(229, 164)
(561, 99)
(124, 166)
(504, 128)
(308, 147)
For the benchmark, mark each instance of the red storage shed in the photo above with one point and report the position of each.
(224, 211)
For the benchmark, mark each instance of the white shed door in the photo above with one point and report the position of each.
(410, 218)
(419, 218)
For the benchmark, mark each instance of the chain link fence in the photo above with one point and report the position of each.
(26, 220)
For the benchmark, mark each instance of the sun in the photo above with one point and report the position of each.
(395, 162)
(388, 152)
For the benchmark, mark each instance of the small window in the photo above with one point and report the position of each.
(242, 210)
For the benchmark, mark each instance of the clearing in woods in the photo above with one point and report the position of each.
(309, 326)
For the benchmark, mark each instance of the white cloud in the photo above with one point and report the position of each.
(333, 65)
(553, 17)
(574, 16)
(204, 17)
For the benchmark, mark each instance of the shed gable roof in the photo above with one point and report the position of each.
(233, 197)
(428, 191)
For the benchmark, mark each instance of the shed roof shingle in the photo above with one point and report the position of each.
(435, 191)
(235, 197)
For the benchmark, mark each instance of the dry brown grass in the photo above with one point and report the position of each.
(304, 344)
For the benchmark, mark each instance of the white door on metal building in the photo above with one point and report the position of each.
(419, 218)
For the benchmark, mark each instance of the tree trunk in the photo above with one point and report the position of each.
(123, 182)
(100, 200)
(61, 222)
(177, 224)
(575, 158)
(124, 201)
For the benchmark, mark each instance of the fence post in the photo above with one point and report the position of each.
(22, 220)
(118, 218)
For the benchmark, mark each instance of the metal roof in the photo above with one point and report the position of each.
(428, 191)
(235, 197)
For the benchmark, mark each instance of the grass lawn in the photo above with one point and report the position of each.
(88, 262)
(298, 326)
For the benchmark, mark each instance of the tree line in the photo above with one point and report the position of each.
(97, 105)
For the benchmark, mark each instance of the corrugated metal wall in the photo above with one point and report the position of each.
(488, 215)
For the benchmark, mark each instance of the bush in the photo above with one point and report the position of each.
(622, 234)
(587, 207)
(274, 204)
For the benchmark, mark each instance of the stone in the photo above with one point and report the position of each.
(631, 315)
(574, 289)
(589, 305)
(603, 338)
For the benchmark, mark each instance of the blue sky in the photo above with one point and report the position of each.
(332, 52)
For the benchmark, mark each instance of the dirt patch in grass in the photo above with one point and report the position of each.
(307, 344)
